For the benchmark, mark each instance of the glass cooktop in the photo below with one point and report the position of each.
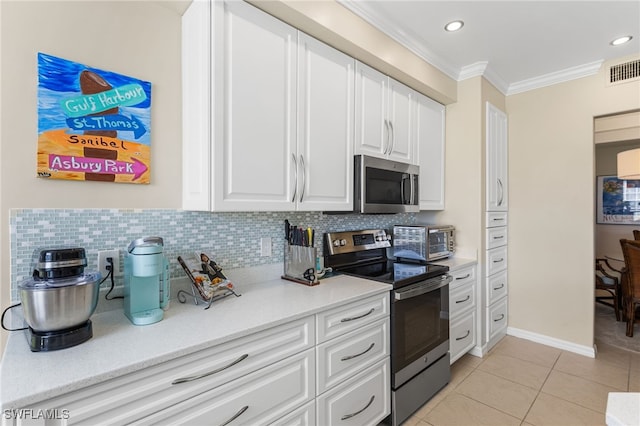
(396, 273)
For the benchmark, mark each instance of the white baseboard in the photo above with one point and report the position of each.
(553, 342)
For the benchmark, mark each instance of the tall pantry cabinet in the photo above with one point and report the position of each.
(497, 205)
(266, 111)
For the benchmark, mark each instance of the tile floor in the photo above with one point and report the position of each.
(520, 382)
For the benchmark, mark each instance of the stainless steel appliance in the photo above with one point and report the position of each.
(385, 186)
(58, 300)
(423, 243)
(419, 314)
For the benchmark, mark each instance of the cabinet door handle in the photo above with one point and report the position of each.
(388, 138)
(217, 370)
(499, 260)
(463, 278)
(501, 192)
(348, 357)
(499, 287)
(499, 319)
(303, 177)
(462, 301)
(358, 317)
(393, 137)
(235, 416)
(295, 181)
(348, 416)
(465, 336)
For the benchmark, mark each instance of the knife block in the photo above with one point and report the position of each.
(298, 262)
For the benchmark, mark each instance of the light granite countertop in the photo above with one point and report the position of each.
(455, 263)
(119, 347)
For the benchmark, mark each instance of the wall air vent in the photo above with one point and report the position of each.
(625, 72)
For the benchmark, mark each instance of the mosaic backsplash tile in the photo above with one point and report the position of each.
(232, 239)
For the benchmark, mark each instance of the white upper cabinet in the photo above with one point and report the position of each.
(325, 127)
(497, 157)
(254, 111)
(430, 147)
(268, 121)
(384, 116)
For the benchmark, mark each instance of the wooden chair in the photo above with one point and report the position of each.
(636, 234)
(607, 279)
(630, 282)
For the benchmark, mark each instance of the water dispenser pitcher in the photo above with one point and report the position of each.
(146, 281)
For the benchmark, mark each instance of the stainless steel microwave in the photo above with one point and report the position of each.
(385, 186)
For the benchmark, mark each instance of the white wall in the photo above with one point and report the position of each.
(551, 203)
(139, 39)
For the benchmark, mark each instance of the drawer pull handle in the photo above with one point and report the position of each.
(499, 260)
(358, 317)
(200, 376)
(348, 357)
(499, 287)
(495, 219)
(348, 416)
(498, 237)
(499, 319)
(463, 278)
(235, 416)
(462, 301)
(465, 336)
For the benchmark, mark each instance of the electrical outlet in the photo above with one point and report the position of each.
(102, 262)
(265, 246)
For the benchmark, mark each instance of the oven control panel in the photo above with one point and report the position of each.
(352, 241)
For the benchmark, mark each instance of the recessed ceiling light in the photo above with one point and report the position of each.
(454, 26)
(621, 40)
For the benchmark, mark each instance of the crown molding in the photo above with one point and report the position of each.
(550, 79)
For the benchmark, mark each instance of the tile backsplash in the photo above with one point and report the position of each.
(232, 239)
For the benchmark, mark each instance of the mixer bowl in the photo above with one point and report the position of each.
(59, 304)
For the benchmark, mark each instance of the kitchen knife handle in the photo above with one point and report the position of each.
(295, 181)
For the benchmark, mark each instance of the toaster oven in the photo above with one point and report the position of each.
(423, 242)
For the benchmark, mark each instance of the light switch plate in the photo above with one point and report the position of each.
(265, 246)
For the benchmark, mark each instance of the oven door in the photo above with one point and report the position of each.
(419, 327)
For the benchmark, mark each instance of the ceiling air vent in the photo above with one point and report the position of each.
(625, 72)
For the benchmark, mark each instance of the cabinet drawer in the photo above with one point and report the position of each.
(256, 399)
(496, 260)
(362, 400)
(340, 320)
(496, 219)
(462, 335)
(303, 416)
(497, 318)
(462, 299)
(130, 397)
(462, 276)
(496, 237)
(341, 358)
(497, 287)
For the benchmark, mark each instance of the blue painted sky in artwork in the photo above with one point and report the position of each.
(59, 78)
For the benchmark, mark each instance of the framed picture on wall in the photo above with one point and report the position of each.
(617, 201)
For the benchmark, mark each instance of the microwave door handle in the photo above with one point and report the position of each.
(403, 186)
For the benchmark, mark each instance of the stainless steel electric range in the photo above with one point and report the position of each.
(419, 314)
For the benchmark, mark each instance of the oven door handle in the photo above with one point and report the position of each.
(422, 289)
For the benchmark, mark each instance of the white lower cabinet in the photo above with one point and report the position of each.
(256, 399)
(284, 375)
(463, 306)
(364, 399)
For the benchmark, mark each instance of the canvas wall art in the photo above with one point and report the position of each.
(93, 124)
